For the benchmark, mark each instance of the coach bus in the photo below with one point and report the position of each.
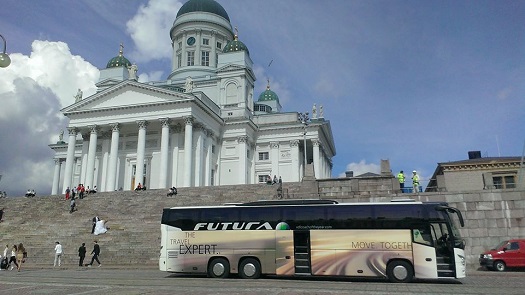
(397, 240)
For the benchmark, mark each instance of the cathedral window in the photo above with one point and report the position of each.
(205, 58)
(264, 156)
(206, 41)
(180, 45)
(179, 60)
(191, 58)
(219, 45)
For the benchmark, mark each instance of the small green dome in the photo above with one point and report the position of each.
(203, 5)
(235, 45)
(119, 61)
(268, 95)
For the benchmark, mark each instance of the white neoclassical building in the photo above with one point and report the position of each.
(199, 127)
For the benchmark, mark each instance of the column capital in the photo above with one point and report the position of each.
(189, 120)
(294, 143)
(274, 145)
(316, 142)
(57, 161)
(93, 129)
(142, 124)
(242, 139)
(165, 122)
(72, 130)
(114, 126)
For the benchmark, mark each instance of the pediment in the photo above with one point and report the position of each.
(229, 68)
(126, 94)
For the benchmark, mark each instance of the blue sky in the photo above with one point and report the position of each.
(415, 82)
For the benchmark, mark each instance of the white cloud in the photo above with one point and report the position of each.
(361, 168)
(33, 89)
(152, 76)
(149, 29)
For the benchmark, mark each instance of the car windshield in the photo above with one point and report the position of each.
(500, 245)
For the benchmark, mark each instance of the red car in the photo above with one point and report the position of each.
(505, 255)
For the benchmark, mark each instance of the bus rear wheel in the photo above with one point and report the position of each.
(250, 268)
(400, 271)
(219, 268)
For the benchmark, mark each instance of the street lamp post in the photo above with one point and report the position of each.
(304, 119)
(4, 58)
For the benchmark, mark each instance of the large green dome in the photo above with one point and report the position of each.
(119, 60)
(203, 5)
(268, 95)
(235, 45)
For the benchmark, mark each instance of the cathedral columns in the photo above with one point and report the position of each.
(175, 155)
(274, 158)
(164, 145)
(317, 163)
(83, 158)
(103, 166)
(294, 145)
(90, 170)
(242, 140)
(113, 157)
(188, 154)
(199, 148)
(208, 159)
(141, 149)
(70, 158)
(56, 177)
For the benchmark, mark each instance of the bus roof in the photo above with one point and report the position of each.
(305, 202)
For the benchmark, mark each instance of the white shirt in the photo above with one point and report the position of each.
(6, 250)
(58, 249)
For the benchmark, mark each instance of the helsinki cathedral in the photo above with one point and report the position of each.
(204, 125)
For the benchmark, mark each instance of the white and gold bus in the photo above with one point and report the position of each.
(398, 240)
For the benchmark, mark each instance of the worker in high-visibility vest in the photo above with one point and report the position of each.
(415, 181)
(401, 179)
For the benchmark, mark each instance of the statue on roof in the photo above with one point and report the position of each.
(78, 97)
(314, 112)
(188, 87)
(133, 72)
(61, 136)
(321, 112)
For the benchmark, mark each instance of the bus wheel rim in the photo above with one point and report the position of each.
(249, 269)
(218, 269)
(400, 272)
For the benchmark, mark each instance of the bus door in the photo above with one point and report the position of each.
(301, 243)
(444, 250)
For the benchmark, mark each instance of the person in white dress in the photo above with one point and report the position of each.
(100, 227)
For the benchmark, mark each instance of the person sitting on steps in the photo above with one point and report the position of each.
(172, 192)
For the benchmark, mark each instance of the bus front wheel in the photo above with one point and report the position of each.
(219, 268)
(400, 271)
(250, 268)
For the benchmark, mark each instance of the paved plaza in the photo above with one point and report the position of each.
(150, 281)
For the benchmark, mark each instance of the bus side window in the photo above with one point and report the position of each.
(422, 236)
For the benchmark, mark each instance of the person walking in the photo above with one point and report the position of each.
(58, 254)
(12, 258)
(20, 255)
(95, 253)
(415, 181)
(81, 254)
(401, 179)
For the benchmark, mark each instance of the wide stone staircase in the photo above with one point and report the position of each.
(133, 218)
